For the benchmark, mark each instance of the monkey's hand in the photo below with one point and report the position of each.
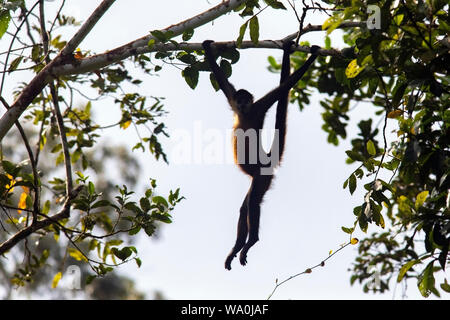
(207, 44)
(288, 46)
(315, 50)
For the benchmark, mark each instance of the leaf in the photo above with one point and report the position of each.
(347, 230)
(101, 203)
(187, 34)
(404, 269)
(138, 262)
(151, 43)
(122, 254)
(46, 208)
(275, 4)
(254, 30)
(354, 241)
(14, 64)
(125, 125)
(77, 255)
(327, 42)
(91, 188)
(353, 69)
(426, 281)
(242, 30)
(56, 279)
(332, 23)
(354, 155)
(445, 286)
(420, 199)
(352, 184)
(145, 204)
(190, 76)
(395, 114)
(371, 148)
(160, 200)
(4, 22)
(161, 36)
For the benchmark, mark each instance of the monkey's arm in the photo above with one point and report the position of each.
(280, 118)
(220, 76)
(266, 101)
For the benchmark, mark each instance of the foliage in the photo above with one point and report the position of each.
(398, 70)
(105, 217)
(401, 72)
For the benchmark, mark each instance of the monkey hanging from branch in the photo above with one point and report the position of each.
(248, 152)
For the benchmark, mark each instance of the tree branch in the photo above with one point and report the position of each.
(64, 213)
(140, 46)
(38, 83)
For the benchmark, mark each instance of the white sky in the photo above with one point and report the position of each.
(303, 212)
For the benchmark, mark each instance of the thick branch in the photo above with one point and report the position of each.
(41, 79)
(140, 46)
(65, 56)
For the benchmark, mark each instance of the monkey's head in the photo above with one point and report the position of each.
(243, 100)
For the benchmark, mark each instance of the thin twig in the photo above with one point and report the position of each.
(308, 270)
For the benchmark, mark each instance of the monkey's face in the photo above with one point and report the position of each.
(243, 100)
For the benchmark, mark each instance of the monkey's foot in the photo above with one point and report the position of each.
(243, 258)
(228, 261)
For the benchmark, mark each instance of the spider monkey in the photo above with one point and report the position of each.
(249, 118)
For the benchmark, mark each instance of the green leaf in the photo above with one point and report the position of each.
(242, 30)
(133, 207)
(327, 42)
(275, 4)
(187, 34)
(145, 204)
(4, 22)
(151, 43)
(426, 281)
(161, 36)
(190, 75)
(160, 200)
(91, 188)
(352, 183)
(122, 254)
(404, 269)
(46, 208)
(254, 29)
(14, 64)
(138, 262)
(371, 148)
(354, 155)
(420, 199)
(348, 230)
(101, 203)
(445, 286)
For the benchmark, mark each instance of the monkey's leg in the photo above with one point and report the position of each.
(242, 231)
(260, 185)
